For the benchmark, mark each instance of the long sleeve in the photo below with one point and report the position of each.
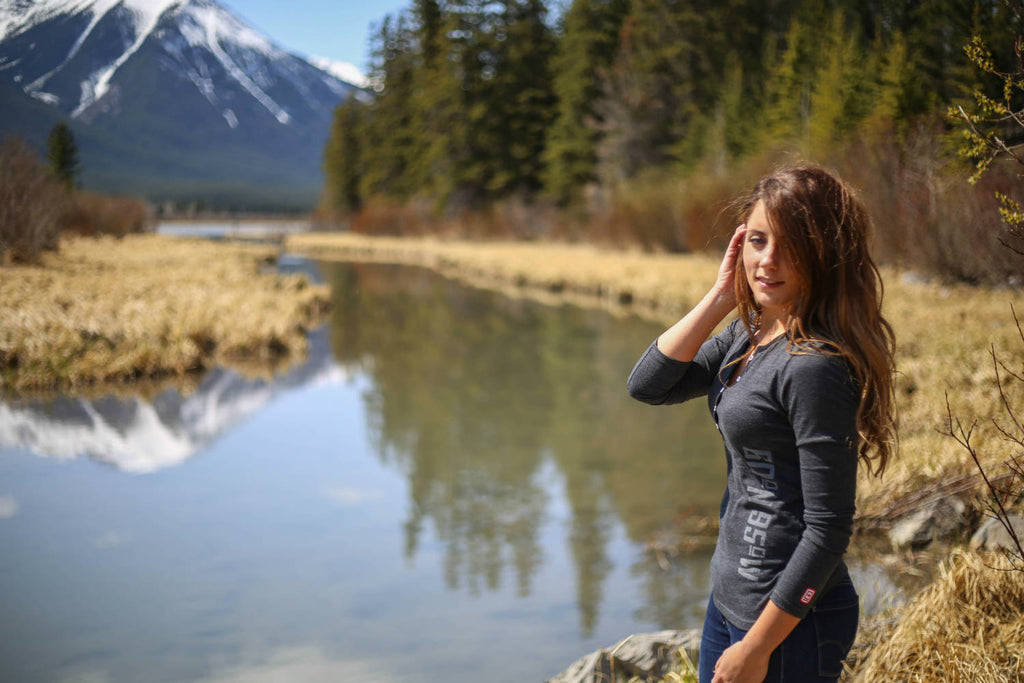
(822, 402)
(658, 379)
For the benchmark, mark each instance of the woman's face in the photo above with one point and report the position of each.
(769, 269)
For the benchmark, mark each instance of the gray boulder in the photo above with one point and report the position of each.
(992, 535)
(646, 656)
(940, 518)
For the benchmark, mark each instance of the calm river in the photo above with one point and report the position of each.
(453, 487)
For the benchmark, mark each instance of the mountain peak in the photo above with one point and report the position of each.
(118, 29)
(171, 75)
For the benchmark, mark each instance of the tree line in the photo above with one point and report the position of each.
(478, 101)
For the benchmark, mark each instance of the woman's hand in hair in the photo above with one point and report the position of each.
(682, 341)
(724, 285)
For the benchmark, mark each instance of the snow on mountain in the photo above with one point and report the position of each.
(345, 71)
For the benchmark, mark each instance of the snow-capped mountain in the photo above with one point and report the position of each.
(183, 88)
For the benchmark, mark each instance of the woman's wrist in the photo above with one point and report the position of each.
(721, 300)
(757, 647)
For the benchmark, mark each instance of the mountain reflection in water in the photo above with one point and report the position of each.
(143, 436)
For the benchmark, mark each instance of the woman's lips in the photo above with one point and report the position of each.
(765, 282)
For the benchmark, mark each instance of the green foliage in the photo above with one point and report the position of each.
(994, 129)
(62, 153)
(585, 51)
(480, 102)
(342, 160)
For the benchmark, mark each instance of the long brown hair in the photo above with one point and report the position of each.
(825, 231)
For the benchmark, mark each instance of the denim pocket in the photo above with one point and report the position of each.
(835, 624)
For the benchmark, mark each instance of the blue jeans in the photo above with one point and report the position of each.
(812, 653)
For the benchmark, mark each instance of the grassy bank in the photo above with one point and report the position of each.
(103, 311)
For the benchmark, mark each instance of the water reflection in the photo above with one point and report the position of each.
(142, 436)
(452, 478)
(494, 410)
(472, 392)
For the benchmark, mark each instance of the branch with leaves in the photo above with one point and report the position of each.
(990, 129)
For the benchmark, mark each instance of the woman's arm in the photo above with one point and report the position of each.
(680, 365)
(682, 341)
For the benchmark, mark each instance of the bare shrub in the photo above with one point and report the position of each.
(95, 214)
(664, 213)
(926, 217)
(32, 203)
(381, 217)
(511, 218)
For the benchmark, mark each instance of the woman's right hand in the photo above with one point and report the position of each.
(683, 340)
(725, 284)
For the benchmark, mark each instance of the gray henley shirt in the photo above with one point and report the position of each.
(789, 429)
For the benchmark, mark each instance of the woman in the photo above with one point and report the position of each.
(800, 387)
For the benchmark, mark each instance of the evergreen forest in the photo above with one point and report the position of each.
(635, 122)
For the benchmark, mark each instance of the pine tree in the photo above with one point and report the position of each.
(663, 83)
(343, 160)
(839, 98)
(435, 102)
(893, 74)
(390, 127)
(585, 50)
(62, 153)
(522, 95)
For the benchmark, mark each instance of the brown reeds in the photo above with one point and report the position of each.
(147, 306)
(968, 626)
(33, 203)
(94, 214)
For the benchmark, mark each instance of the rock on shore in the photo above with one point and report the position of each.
(646, 656)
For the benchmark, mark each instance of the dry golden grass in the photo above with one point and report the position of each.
(944, 332)
(147, 306)
(657, 286)
(945, 335)
(968, 626)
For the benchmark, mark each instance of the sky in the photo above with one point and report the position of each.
(336, 29)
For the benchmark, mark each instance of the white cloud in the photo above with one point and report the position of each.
(351, 496)
(8, 507)
(301, 663)
(111, 539)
